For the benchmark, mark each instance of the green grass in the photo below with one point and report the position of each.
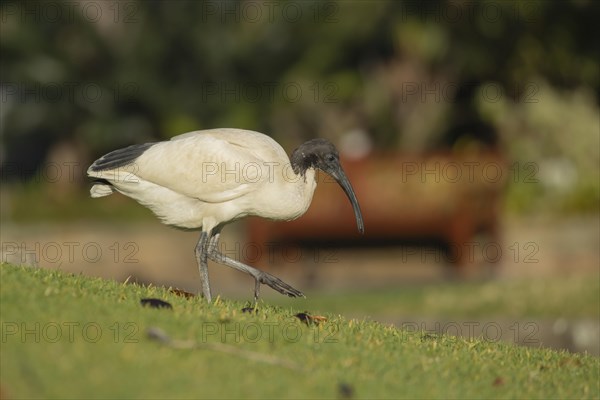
(66, 336)
(574, 296)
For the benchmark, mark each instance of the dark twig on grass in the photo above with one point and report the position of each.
(161, 336)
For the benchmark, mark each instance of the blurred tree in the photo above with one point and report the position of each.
(411, 74)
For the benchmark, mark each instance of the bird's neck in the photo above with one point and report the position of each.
(303, 191)
(293, 201)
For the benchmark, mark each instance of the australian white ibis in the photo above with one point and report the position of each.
(206, 179)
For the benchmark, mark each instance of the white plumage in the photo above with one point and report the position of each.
(206, 179)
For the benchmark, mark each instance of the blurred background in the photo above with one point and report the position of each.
(470, 131)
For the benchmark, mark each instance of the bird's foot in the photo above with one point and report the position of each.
(275, 283)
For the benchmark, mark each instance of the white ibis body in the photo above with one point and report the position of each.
(206, 179)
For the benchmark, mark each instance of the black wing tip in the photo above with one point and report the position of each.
(120, 157)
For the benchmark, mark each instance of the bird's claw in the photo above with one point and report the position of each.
(277, 284)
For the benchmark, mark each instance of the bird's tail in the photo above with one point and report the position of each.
(101, 189)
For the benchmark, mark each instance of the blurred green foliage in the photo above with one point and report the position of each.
(88, 77)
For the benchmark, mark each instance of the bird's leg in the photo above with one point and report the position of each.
(202, 258)
(259, 276)
(256, 290)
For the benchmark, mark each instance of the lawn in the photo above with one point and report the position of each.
(70, 336)
(572, 296)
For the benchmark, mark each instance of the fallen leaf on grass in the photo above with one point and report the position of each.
(428, 336)
(155, 303)
(310, 319)
(182, 293)
(345, 390)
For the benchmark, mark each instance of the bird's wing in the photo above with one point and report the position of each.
(206, 165)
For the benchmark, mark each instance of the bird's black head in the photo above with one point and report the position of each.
(316, 153)
(322, 154)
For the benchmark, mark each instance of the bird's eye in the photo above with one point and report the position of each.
(330, 158)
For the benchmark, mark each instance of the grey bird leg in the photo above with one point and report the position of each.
(201, 252)
(259, 276)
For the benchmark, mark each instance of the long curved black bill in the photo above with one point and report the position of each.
(341, 178)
